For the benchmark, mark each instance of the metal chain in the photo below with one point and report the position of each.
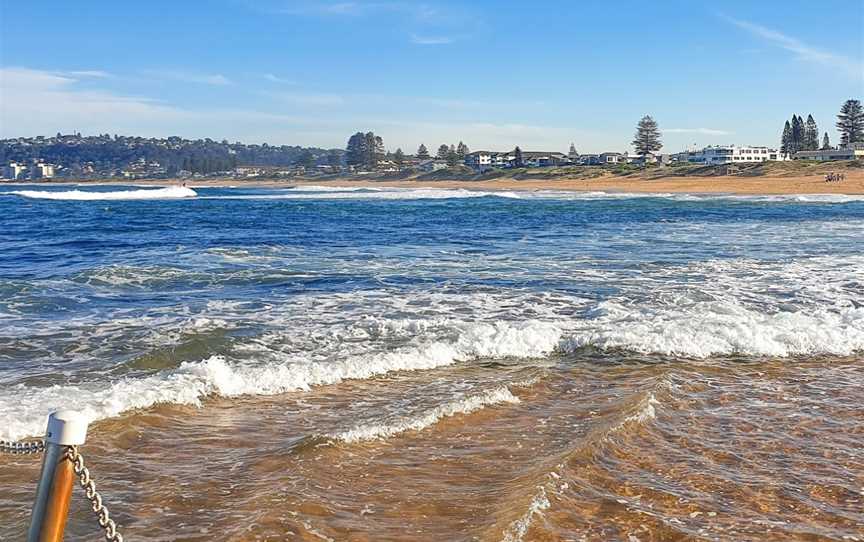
(22, 448)
(89, 486)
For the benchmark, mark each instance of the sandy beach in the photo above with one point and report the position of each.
(803, 184)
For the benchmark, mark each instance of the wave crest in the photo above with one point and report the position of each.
(170, 192)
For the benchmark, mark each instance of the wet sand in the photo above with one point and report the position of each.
(639, 449)
(767, 185)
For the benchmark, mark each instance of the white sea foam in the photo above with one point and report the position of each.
(464, 405)
(721, 327)
(22, 409)
(646, 410)
(322, 188)
(170, 192)
(517, 530)
(333, 193)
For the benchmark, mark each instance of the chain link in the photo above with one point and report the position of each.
(22, 448)
(89, 486)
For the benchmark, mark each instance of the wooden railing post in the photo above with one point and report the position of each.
(51, 507)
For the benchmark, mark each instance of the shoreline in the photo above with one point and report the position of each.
(764, 185)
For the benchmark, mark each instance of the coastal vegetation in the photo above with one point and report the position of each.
(647, 138)
(106, 156)
(79, 154)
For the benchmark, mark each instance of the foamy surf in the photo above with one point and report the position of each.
(720, 328)
(23, 408)
(170, 192)
(335, 193)
(464, 405)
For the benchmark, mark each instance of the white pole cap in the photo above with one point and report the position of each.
(66, 428)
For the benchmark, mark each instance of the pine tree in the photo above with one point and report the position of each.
(452, 156)
(786, 139)
(443, 151)
(517, 155)
(422, 152)
(399, 157)
(355, 151)
(797, 142)
(850, 122)
(811, 134)
(373, 150)
(826, 143)
(647, 138)
(461, 151)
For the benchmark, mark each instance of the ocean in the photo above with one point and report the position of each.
(323, 363)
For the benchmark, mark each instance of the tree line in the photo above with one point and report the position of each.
(107, 153)
(800, 135)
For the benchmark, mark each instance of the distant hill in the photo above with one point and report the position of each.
(106, 153)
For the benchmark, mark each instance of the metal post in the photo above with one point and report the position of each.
(48, 520)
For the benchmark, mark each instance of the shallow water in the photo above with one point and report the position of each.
(401, 364)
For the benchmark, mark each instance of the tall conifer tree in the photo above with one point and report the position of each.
(811, 134)
(786, 139)
(797, 143)
(647, 139)
(850, 122)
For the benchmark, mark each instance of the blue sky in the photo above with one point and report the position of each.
(493, 74)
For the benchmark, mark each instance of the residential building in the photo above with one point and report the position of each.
(611, 158)
(14, 171)
(42, 170)
(543, 158)
(649, 158)
(484, 160)
(431, 165)
(480, 160)
(853, 151)
(732, 154)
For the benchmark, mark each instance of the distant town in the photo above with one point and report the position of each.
(73, 156)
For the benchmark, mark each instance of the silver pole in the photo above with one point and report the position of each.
(53, 453)
(65, 428)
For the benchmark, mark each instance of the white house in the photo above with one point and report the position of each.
(14, 171)
(481, 160)
(732, 154)
(42, 170)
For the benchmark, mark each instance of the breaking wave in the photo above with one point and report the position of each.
(23, 408)
(721, 328)
(170, 192)
(336, 193)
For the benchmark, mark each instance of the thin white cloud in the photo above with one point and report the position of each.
(307, 99)
(703, 131)
(341, 8)
(277, 79)
(803, 51)
(431, 40)
(190, 77)
(98, 74)
(422, 24)
(40, 102)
